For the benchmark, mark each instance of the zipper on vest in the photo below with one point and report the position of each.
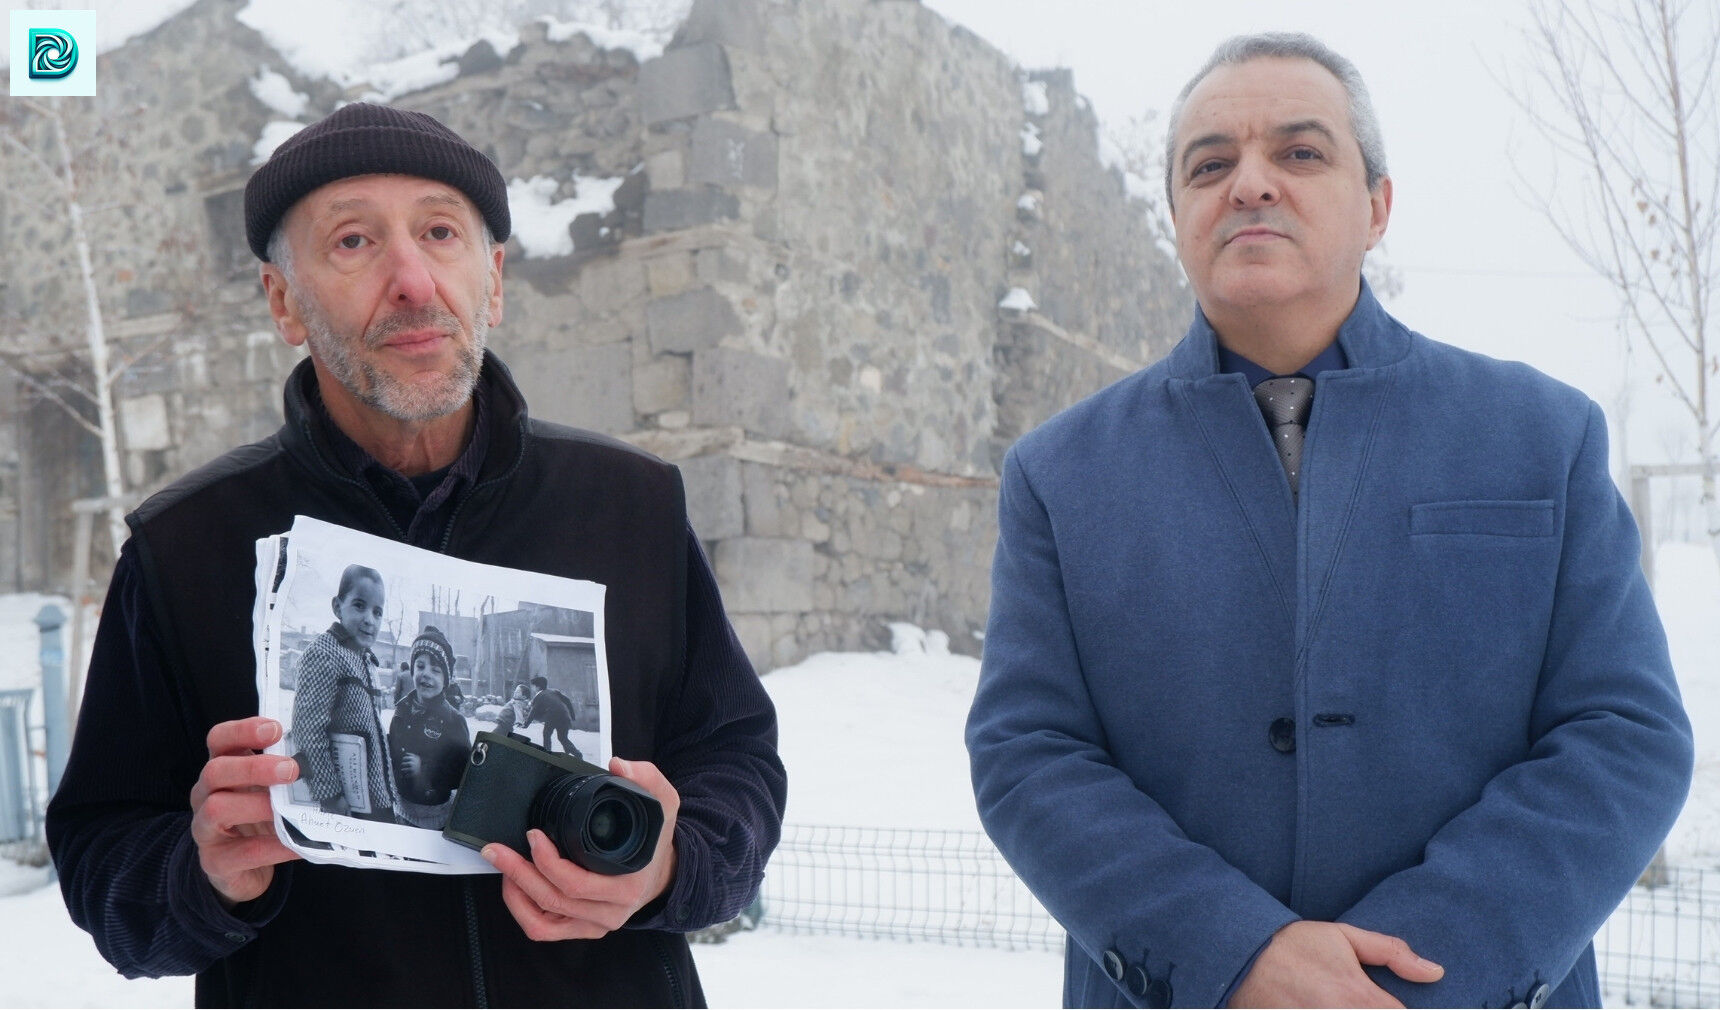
(677, 997)
(480, 997)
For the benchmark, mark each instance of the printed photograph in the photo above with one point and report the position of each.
(384, 661)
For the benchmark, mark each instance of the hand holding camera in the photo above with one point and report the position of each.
(620, 824)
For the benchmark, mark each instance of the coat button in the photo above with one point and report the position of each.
(1139, 982)
(1282, 733)
(1159, 994)
(1538, 998)
(1114, 965)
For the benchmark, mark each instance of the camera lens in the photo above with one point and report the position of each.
(596, 821)
(611, 826)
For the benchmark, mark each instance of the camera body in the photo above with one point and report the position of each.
(600, 821)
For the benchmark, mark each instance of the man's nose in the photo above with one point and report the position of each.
(409, 281)
(1253, 184)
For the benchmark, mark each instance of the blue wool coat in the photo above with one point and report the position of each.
(1452, 629)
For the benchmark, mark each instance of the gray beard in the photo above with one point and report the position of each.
(381, 391)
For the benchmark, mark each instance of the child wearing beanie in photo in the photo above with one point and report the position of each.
(428, 738)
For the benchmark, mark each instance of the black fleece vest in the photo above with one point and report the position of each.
(549, 499)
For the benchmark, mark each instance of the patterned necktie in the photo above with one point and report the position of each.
(1286, 401)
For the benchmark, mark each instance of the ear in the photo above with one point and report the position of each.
(1381, 202)
(498, 252)
(283, 309)
(334, 604)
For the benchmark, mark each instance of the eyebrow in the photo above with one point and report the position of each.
(359, 202)
(1281, 132)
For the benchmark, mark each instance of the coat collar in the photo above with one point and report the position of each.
(305, 435)
(1370, 338)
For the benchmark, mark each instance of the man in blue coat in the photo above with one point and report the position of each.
(1320, 668)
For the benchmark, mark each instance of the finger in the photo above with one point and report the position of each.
(228, 813)
(579, 891)
(567, 901)
(1391, 952)
(234, 856)
(241, 735)
(542, 925)
(250, 771)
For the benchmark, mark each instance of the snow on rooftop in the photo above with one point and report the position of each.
(541, 222)
(1031, 145)
(1018, 300)
(359, 43)
(275, 91)
(643, 45)
(1034, 98)
(274, 135)
(117, 21)
(356, 44)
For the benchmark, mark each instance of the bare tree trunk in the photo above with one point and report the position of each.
(97, 336)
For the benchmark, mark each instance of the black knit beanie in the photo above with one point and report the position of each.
(365, 139)
(432, 642)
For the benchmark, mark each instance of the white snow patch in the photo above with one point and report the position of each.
(643, 45)
(1020, 249)
(909, 639)
(542, 225)
(274, 90)
(1018, 300)
(851, 723)
(1034, 98)
(773, 969)
(338, 40)
(1028, 202)
(117, 21)
(274, 135)
(1031, 145)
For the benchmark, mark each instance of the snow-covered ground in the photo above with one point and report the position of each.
(1687, 590)
(852, 724)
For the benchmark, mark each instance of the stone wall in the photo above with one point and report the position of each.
(795, 297)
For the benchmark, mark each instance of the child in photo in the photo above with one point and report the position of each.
(336, 727)
(428, 739)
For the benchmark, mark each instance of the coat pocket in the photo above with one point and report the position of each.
(1483, 518)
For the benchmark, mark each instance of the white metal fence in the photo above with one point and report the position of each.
(1661, 948)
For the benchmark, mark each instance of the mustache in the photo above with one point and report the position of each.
(423, 317)
(1258, 219)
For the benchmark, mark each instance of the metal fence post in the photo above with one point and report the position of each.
(49, 619)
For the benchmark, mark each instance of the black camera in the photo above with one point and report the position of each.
(600, 821)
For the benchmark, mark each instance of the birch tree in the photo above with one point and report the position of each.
(1628, 94)
(58, 169)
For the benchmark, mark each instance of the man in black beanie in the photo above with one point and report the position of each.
(380, 232)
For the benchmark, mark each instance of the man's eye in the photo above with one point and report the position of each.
(1305, 154)
(1205, 168)
(441, 232)
(351, 241)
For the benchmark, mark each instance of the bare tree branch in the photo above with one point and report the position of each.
(48, 392)
(1627, 90)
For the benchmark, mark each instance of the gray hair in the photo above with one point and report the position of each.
(1241, 49)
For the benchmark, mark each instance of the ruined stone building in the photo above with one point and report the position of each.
(796, 296)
